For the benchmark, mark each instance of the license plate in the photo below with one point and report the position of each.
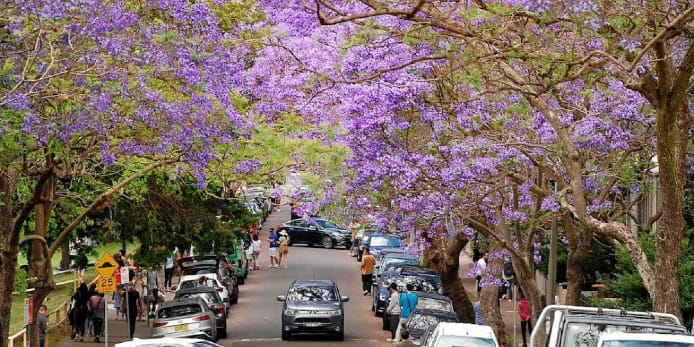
(182, 327)
(312, 324)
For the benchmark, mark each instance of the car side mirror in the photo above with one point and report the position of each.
(281, 298)
(345, 298)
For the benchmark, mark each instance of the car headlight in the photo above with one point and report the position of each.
(289, 312)
(334, 312)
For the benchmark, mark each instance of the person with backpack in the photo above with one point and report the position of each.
(408, 303)
(97, 309)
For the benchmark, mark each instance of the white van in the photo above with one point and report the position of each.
(461, 334)
(622, 339)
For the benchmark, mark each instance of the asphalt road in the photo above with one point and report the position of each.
(256, 319)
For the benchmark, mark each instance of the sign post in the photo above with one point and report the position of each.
(106, 283)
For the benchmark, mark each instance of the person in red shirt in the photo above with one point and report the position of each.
(524, 314)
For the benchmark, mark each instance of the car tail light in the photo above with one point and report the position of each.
(201, 318)
(220, 308)
(227, 266)
(220, 289)
(158, 324)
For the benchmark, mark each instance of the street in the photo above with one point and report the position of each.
(255, 320)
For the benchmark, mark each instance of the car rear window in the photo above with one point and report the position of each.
(208, 297)
(382, 241)
(179, 311)
(466, 341)
(434, 304)
(312, 293)
(423, 321)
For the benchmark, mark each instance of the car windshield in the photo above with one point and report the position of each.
(384, 241)
(199, 270)
(327, 224)
(580, 334)
(207, 297)
(466, 341)
(427, 284)
(423, 321)
(617, 343)
(312, 293)
(434, 304)
(178, 311)
(196, 283)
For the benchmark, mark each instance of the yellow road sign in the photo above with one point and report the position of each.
(106, 285)
(106, 265)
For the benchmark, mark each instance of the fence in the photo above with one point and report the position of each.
(54, 318)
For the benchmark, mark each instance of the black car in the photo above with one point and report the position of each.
(424, 280)
(390, 261)
(213, 300)
(428, 301)
(315, 307)
(421, 319)
(317, 231)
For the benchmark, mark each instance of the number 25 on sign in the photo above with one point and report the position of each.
(106, 285)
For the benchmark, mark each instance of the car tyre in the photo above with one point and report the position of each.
(222, 334)
(340, 336)
(327, 242)
(286, 335)
(241, 279)
(359, 256)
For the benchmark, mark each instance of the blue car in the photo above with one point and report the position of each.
(427, 281)
(379, 241)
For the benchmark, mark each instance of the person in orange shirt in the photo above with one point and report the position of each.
(367, 271)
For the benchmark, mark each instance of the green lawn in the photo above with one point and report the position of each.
(61, 293)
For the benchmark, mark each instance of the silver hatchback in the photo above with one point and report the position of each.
(185, 318)
(313, 306)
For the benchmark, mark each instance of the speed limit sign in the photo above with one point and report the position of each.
(106, 285)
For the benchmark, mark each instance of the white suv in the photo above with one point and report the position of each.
(461, 334)
(622, 339)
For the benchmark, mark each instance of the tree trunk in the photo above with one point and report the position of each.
(489, 297)
(445, 258)
(65, 256)
(9, 253)
(580, 243)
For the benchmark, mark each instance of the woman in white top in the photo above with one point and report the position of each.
(256, 251)
(249, 256)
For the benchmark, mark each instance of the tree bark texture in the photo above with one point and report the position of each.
(580, 243)
(444, 256)
(8, 255)
(489, 297)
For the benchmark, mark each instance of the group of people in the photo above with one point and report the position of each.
(278, 249)
(87, 313)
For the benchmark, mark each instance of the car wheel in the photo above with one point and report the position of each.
(222, 333)
(340, 336)
(242, 279)
(359, 256)
(327, 242)
(286, 335)
(289, 241)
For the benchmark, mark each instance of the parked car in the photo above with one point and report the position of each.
(425, 281)
(313, 306)
(168, 342)
(622, 339)
(185, 318)
(218, 266)
(317, 231)
(213, 300)
(236, 256)
(421, 319)
(192, 281)
(379, 241)
(428, 301)
(385, 261)
(447, 334)
(567, 325)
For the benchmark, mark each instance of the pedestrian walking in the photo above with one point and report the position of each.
(257, 245)
(480, 268)
(408, 303)
(273, 246)
(79, 312)
(524, 314)
(169, 271)
(393, 310)
(367, 271)
(250, 261)
(283, 249)
(477, 307)
(152, 292)
(97, 309)
(133, 307)
(42, 325)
